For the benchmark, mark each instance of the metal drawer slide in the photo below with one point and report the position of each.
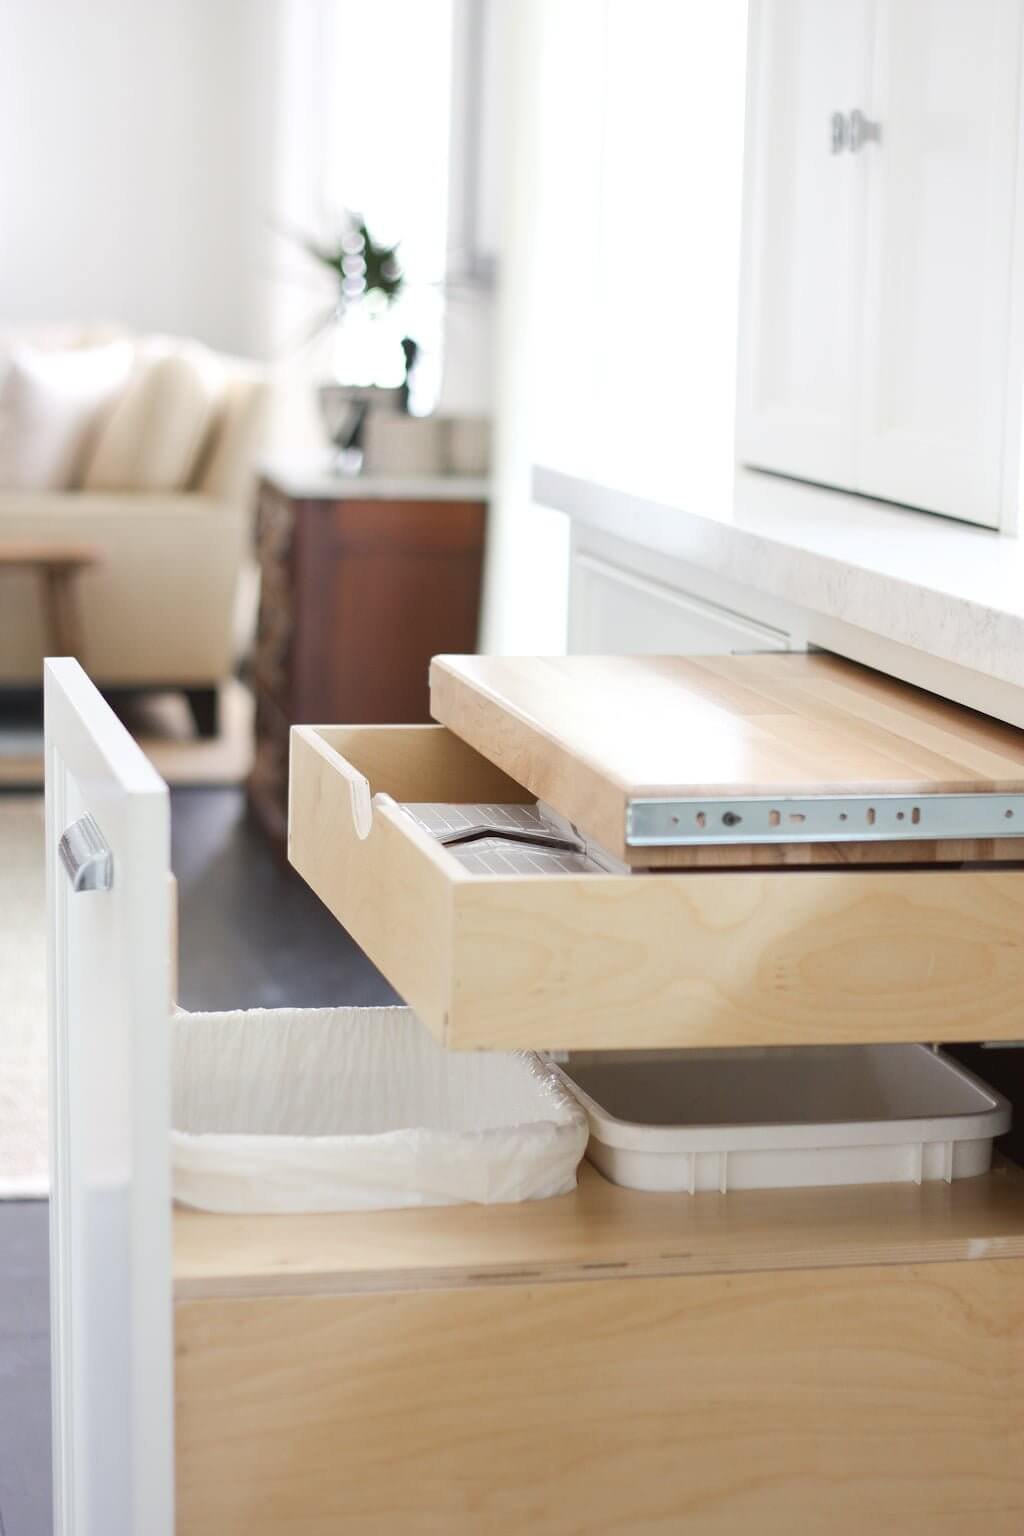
(689, 821)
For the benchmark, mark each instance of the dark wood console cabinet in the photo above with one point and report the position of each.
(361, 584)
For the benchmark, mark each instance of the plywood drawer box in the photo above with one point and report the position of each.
(691, 957)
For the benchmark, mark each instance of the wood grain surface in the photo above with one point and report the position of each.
(638, 960)
(597, 1231)
(699, 958)
(847, 1401)
(589, 733)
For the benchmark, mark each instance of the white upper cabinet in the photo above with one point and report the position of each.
(882, 266)
(937, 289)
(803, 238)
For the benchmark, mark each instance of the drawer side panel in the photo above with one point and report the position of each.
(387, 888)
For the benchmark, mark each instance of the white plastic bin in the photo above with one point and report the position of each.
(339, 1109)
(785, 1117)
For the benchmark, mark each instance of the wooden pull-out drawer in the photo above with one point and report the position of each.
(682, 958)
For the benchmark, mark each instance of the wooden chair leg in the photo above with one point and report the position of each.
(60, 609)
(203, 702)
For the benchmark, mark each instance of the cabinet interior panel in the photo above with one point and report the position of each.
(887, 1398)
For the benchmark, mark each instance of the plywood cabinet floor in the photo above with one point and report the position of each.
(598, 1230)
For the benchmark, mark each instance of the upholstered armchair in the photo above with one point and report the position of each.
(167, 602)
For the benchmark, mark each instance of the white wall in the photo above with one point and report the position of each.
(148, 148)
(620, 268)
(479, 102)
(136, 164)
(527, 567)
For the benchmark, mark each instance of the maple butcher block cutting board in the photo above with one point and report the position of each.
(603, 739)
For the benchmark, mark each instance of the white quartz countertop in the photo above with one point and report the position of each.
(946, 588)
(312, 480)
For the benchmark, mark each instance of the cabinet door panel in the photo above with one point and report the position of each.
(803, 240)
(618, 612)
(937, 280)
(110, 1209)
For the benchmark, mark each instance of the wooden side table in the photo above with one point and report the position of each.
(57, 567)
(363, 581)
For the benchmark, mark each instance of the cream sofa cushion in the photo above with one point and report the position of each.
(229, 459)
(52, 403)
(153, 438)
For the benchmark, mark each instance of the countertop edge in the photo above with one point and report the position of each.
(924, 612)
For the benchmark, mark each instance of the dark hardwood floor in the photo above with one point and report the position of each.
(251, 935)
(25, 1502)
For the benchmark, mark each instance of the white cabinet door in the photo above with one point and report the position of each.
(942, 182)
(803, 238)
(110, 1222)
(618, 612)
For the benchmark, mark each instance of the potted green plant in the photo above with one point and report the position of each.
(367, 352)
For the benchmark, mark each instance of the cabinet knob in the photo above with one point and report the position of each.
(863, 131)
(86, 856)
(839, 132)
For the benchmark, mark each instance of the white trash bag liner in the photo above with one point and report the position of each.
(356, 1109)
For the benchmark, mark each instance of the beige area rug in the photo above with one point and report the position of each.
(162, 725)
(23, 1084)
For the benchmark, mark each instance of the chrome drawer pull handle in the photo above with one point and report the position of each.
(86, 856)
